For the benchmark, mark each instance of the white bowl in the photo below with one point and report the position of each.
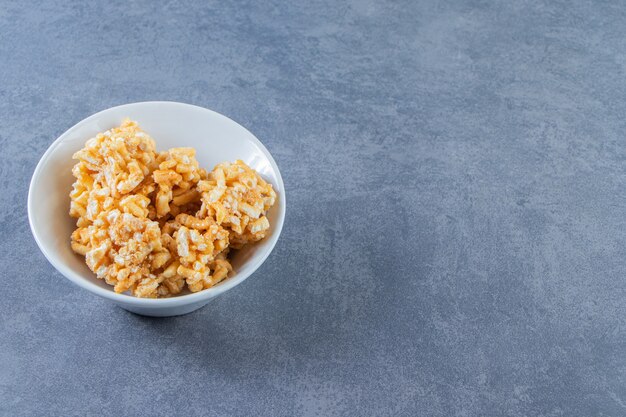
(216, 138)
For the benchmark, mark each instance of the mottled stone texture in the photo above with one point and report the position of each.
(455, 233)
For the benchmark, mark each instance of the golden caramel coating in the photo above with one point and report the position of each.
(154, 223)
(176, 179)
(118, 159)
(197, 251)
(238, 198)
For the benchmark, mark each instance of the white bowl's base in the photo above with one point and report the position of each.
(164, 311)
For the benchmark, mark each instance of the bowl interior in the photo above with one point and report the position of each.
(215, 138)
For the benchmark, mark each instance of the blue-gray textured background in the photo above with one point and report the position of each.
(455, 236)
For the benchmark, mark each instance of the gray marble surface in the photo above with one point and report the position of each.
(455, 236)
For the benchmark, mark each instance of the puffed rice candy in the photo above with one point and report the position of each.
(111, 194)
(238, 198)
(176, 179)
(200, 260)
(118, 159)
(152, 223)
(110, 166)
(121, 249)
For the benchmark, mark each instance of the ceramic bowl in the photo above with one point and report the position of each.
(216, 138)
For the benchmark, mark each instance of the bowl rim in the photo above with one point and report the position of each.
(196, 297)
